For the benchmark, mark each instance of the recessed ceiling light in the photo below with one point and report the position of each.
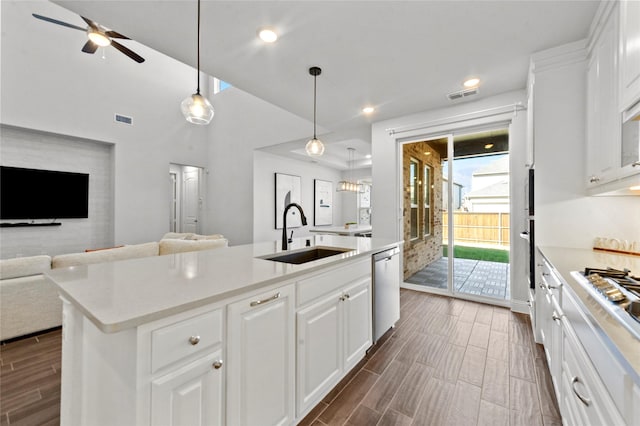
(635, 188)
(368, 156)
(472, 82)
(268, 35)
(368, 110)
(488, 146)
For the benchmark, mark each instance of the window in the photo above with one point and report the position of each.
(220, 85)
(426, 180)
(413, 195)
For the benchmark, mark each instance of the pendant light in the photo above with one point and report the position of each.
(315, 147)
(350, 185)
(196, 108)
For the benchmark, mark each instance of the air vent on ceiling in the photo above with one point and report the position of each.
(119, 118)
(462, 93)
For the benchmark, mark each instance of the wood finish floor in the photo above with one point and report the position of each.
(448, 362)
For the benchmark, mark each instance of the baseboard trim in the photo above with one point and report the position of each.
(520, 306)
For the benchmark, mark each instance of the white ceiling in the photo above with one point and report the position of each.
(400, 56)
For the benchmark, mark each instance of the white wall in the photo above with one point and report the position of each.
(265, 166)
(49, 84)
(242, 124)
(565, 216)
(39, 150)
(386, 187)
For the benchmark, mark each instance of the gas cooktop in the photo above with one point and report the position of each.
(617, 292)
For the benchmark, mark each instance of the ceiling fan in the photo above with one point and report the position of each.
(98, 36)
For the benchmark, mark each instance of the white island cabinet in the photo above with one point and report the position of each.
(334, 329)
(220, 337)
(261, 359)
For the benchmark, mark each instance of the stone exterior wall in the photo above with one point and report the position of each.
(423, 250)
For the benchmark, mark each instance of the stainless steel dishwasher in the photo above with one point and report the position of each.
(386, 291)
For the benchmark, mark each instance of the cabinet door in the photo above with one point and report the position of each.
(319, 349)
(629, 53)
(261, 359)
(357, 318)
(603, 118)
(191, 395)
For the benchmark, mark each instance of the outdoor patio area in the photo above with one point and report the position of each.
(479, 277)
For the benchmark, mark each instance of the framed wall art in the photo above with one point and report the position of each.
(287, 191)
(323, 202)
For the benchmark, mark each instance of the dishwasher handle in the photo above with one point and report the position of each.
(386, 255)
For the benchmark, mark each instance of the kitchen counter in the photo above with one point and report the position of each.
(565, 260)
(341, 230)
(120, 295)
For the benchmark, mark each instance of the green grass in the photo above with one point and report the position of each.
(478, 253)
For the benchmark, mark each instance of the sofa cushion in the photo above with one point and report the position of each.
(177, 235)
(24, 266)
(109, 255)
(28, 304)
(181, 246)
(205, 237)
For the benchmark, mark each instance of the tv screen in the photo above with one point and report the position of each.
(43, 194)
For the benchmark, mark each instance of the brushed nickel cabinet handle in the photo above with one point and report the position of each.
(347, 295)
(555, 316)
(636, 164)
(218, 364)
(194, 340)
(594, 179)
(263, 301)
(586, 401)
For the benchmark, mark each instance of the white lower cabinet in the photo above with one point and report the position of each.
(191, 395)
(334, 332)
(261, 359)
(585, 400)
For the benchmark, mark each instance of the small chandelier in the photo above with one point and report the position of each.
(196, 108)
(315, 147)
(350, 185)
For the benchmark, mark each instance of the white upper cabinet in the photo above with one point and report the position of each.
(629, 53)
(612, 163)
(603, 118)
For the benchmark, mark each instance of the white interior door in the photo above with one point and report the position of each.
(190, 199)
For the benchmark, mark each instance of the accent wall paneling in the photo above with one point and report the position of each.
(28, 148)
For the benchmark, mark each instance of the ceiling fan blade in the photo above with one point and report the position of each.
(55, 21)
(89, 47)
(130, 53)
(90, 22)
(115, 34)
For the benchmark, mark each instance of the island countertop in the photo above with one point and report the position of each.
(127, 293)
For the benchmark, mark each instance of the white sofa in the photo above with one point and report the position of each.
(29, 303)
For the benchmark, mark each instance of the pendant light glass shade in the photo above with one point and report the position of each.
(196, 108)
(315, 147)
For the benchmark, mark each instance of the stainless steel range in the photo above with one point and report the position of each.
(617, 292)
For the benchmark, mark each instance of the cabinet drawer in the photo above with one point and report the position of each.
(590, 398)
(174, 342)
(318, 285)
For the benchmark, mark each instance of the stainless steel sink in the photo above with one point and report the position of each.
(308, 255)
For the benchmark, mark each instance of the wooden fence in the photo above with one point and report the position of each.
(482, 228)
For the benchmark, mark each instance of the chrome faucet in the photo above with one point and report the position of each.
(303, 218)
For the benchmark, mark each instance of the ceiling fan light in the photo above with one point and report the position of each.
(99, 38)
(315, 148)
(197, 109)
(268, 35)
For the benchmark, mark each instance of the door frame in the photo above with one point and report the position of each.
(464, 124)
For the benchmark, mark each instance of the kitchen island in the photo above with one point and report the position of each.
(224, 336)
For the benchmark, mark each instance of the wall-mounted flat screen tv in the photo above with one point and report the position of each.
(43, 194)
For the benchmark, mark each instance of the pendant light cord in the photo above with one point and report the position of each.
(315, 77)
(198, 90)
